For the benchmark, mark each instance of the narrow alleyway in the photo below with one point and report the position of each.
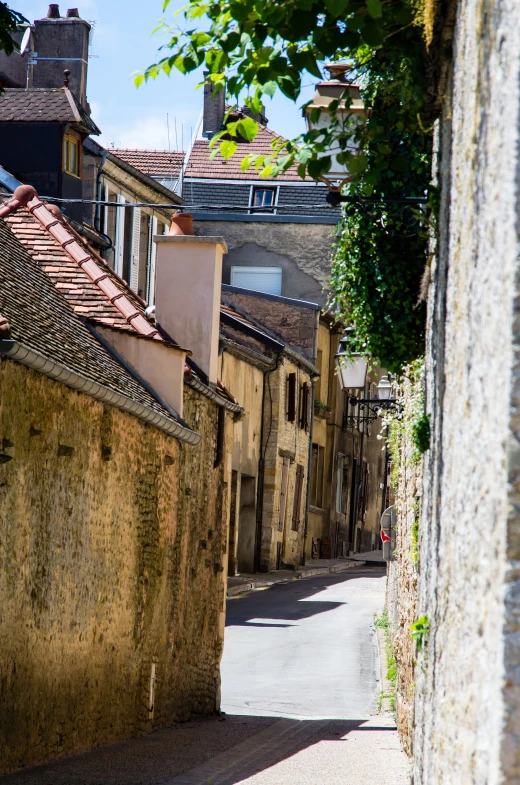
(300, 679)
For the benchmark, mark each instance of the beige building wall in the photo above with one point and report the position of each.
(246, 382)
(113, 542)
(281, 544)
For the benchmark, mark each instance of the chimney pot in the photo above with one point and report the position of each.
(54, 11)
(73, 13)
(66, 75)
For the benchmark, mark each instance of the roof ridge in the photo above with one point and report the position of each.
(76, 251)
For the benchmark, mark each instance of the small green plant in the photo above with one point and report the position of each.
(322, 409)
(420, 630)
(415, 541)
(421, 434)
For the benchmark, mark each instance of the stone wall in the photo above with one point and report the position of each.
(468, 679)
(282, 439)
(112, 540)
(406, 477)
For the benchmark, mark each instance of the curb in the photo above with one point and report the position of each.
(243, 588)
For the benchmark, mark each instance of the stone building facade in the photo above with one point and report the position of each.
(467, 692)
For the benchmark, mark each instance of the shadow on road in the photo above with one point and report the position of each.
(292, 600)
(164, 756)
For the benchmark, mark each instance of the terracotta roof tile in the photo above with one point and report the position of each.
(154, 163)
(200, 165)
(83, 294)
(41, 318)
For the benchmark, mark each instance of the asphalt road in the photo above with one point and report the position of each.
(299, 686)
(305, 650)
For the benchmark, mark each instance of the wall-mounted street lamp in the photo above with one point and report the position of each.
(337, 88)
(351, 368)
(383, 401)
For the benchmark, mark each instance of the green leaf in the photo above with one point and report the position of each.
(302, 169)
(303, 156)
(227, 149)
(319, 166)
(337, 7)
(372, 34)
(357, 164)
(139, 79)
(270, 88)
(375, 8)
(289, 85)
(248, 128)
(246, 162)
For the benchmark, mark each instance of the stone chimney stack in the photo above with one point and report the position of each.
(188, 280)
(62, 43)
(214, 109)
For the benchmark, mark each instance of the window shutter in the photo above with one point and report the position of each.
(308, 413)
(283, 494)
(297, 506)
(150, 262)
(291, 397)
(305, 409)
(120, 235)
(136, 235)
(260, 279)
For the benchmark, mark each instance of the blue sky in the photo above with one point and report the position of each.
(122, 44)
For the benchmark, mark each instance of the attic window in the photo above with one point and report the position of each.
(71, 153)
(263, 197)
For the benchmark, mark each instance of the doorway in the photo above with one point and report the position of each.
(246, 525)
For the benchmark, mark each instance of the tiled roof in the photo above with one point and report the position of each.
(44, 105)
(199, 164)
(41, 318)
(84, 294)
(155, 163)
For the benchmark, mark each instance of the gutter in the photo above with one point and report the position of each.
(244, 353)
(210, 393)
(60, 373)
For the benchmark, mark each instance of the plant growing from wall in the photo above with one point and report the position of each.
(421, 434)
(420, 630)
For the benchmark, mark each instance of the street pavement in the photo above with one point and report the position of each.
(300, 679)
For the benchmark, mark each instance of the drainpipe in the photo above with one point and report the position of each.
(97, 220)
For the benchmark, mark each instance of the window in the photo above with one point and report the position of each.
(305, 406)
(71, 155)
(283, 494)
(259, 279)
(317, 463)
(263, 197)
(291, 397)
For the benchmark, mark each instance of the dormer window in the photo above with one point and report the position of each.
(263, 197)
(71, 155)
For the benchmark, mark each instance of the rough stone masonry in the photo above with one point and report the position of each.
(467, 705)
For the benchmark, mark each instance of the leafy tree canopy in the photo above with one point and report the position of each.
(254, 48)
(9, 21)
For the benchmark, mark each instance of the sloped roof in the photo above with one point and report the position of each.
(41, 318)
(200, 166)
(154, 163)
(44, 105)
(85, 292)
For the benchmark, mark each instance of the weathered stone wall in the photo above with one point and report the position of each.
(282, 439)
(468, 680)
(402, 585)
(112, 540)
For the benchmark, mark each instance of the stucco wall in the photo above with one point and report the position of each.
(302, 250)
(468, 683)
(112, 538)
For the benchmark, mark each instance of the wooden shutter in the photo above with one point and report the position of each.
(308, 413)
(283, 494)
(120, 235)
(134, 254)
(304, 406)
(297, 505)
(291, 397)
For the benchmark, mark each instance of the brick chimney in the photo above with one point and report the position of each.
(66, 38)
(188, 281)
(214, 109)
